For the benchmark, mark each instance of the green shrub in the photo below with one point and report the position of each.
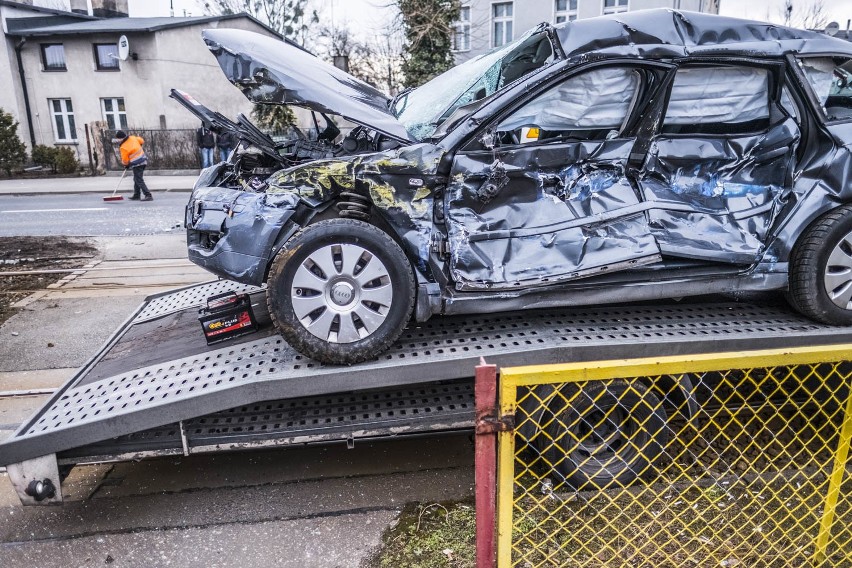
(66, 161)
(44, 155)
(60, 159)
(12, 150)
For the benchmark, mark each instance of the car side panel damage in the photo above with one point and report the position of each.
(716, 198)
(644, 155)
(528, 219)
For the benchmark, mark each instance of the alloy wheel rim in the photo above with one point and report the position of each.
(837, 277)
(341, 293)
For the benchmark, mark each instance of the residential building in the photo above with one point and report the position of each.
(486, 24)
(63, 70)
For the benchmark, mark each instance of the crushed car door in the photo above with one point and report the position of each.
(721, 168)
(543, 195)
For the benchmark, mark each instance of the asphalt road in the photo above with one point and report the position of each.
(89, 215)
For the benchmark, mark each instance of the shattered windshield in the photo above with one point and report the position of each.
(422, 110)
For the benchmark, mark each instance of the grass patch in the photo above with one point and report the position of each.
(437, 535)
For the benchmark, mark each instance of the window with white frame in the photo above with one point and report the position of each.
(502, 15)
(114, 113)
(614, 6)
(461, 30)
(64, 128)
(565, 11)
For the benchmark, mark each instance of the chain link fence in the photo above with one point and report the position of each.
(723, 460)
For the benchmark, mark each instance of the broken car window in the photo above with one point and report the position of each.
(590, 106)
(425, 108)
(831, 80)
(718, 100)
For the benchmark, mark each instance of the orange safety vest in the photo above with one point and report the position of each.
(132, 153)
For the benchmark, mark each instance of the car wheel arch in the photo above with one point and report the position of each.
(326, 211)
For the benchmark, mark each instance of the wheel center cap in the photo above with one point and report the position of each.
(341, 293)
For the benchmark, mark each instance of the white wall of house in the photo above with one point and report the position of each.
(172, 58)
(11, 95)
(526, 14)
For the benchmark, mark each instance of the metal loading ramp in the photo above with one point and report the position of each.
(156, 387)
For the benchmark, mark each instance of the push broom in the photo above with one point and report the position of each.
(115, 197)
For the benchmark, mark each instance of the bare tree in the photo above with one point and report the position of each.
(374, 60)
(805, 14)
(290, 18)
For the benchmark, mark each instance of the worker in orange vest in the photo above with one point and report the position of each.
(133, 157)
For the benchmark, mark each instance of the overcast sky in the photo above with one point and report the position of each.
(362, 16)
(368, 16)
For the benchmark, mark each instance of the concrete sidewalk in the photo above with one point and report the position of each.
(99, 184)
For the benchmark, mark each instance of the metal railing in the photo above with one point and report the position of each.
(176, 149)
(736, 459)
(166, 149)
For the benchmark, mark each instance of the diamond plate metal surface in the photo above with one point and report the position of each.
(272, 359)
(194, 296)
(420, 408)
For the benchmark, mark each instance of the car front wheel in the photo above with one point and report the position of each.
(821, 269)
(340, 291)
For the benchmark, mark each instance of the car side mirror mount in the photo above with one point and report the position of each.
(488, 140)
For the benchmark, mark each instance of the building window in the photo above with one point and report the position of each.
(461, 30)
(64, 127)
(106, 56)
(114, 113)
(566, 11)
(614, 6)
(501, 17)
(53, 57)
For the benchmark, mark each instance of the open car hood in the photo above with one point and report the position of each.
(271, 71)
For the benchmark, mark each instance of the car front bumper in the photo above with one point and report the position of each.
(232, 233)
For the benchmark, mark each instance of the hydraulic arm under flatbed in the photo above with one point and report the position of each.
(157, 388)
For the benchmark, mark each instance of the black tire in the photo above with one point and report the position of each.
(332, 237)
(628, 415)
(809, 268)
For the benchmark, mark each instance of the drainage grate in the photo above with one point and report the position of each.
(190, 298)
(442, 349)
(369, 414)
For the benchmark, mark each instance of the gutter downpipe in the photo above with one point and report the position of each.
(18, 47)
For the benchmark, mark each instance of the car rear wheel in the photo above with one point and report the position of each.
(340, 291)
(603, 435)
(821, 269)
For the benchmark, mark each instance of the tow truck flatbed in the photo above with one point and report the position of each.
(157, 388)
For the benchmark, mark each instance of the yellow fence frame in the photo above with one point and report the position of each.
(533, 375)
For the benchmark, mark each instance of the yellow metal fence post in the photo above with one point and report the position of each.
(835, 481)
(506, 476)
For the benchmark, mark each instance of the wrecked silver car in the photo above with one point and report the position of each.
(631, 157)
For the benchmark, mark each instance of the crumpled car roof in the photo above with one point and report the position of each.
(674, 33)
